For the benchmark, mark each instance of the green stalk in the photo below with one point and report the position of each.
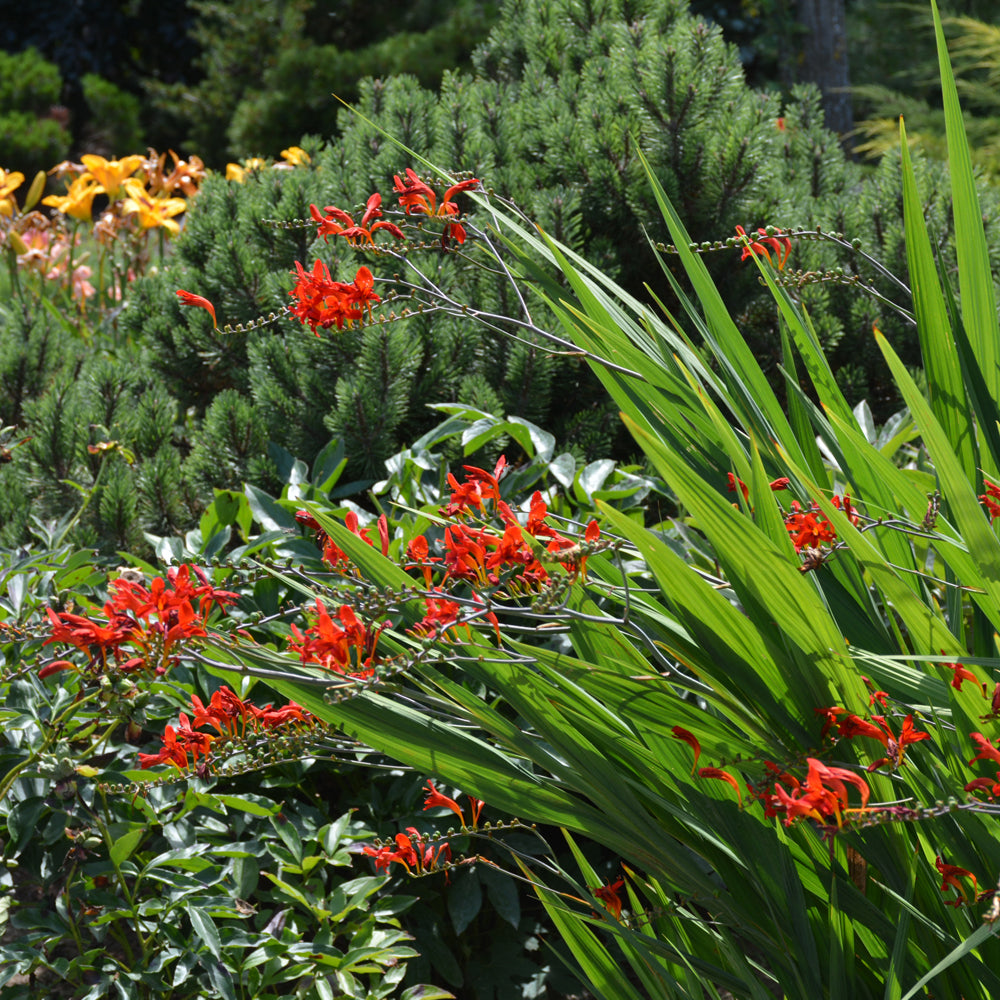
(86, 503)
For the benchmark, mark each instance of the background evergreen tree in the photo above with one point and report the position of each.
(563, 97)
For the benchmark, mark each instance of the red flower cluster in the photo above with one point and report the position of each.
(333, 554)
(416, 196)
(230, 716)
(823, 795)
(479, 485)
(143, 625)
(347, 648)
(780, 244)
(991, 499)
(338, 223)
(481, 556)
(810, 529)
(878, 729)
(411, 850)
(323, 302)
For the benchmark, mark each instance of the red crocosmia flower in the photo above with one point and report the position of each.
(84, 634)
(896, 749)
(479, 485)
(716, 772)
(412, 851)
(950, 875)
(190, 299)
(808, 529)
(779, 484)
(436, 800)
(961, 674)
(323, 302)
(986, 749)
(230, 715)
(338, 223)
(465, 553)
(878, 696)
(854, 725)
(844, 503)
(383, 533)
(608, 895)
(987, 785)
(348, 648)
(823, 796)
(781, 245)
(691, 740)
(333, 554)
(419, 551)
(829, 718)
(55, 666)
(991, 499)
(441, 615)
(177, 744)
(417, 197)
(733, 482)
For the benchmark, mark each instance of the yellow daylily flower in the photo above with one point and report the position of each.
(238, 172)
(111, 174)
(296, 156)
(152, 212)
(78, 200)
(10, 181)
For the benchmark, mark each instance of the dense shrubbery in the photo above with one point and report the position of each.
(552, 118)
(235, 882)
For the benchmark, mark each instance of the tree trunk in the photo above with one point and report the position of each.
(824, 60)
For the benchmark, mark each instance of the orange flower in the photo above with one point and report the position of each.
(691, 740)
(323, 302)
(608, 895)
(338, 223)
(411, 851)
(781, 245)
(715, 772)
(986, 749)
(950, 874)
(190, 299)
(436, 800)
(416, 196)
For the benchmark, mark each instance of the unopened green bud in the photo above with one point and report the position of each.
(36, 191)
(16, 243)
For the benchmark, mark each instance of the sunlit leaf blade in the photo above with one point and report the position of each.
(979, 313)
(945, 384)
